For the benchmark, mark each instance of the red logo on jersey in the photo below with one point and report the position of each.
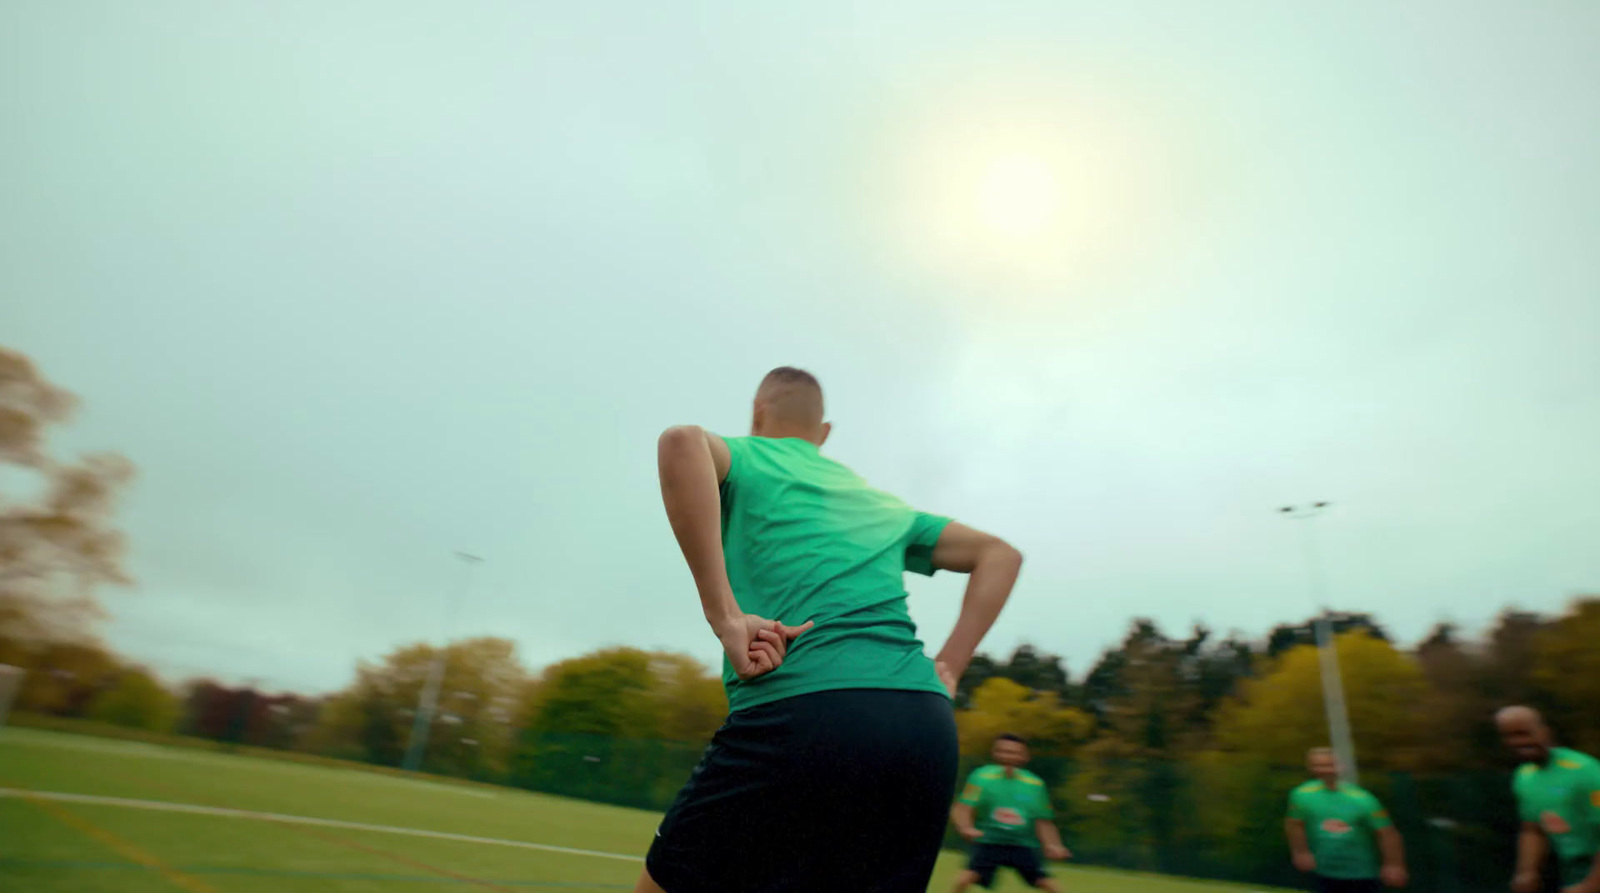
(1553, 824)
(1005, 815)
(1336, 826)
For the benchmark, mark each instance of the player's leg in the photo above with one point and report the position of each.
(722, 832)
(835, 790)
(965, 879)
(893, 756)
(1027, 862)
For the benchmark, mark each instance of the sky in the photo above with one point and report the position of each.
(359, 285)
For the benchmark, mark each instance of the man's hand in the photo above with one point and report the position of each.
(1305, 862)
(1526, 882)
(1055, 852)
(970, 833)
(756, 646)
(947, 676)
(1394, 876)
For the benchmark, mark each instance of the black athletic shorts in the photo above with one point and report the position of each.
(1346, 885)
(986, 858)
(837, 790)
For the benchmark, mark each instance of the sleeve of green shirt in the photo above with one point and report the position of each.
(1043, 809)
(1377, 816)
(973, 790)
(924, 535)
(1591, 787)
(1525, 808)
(1297, 810)
(737, 446)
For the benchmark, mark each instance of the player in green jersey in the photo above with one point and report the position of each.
(1337, 830)
(1005, 811)
(837, 764)
(1558, 797)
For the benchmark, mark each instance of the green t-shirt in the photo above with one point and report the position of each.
(1340, 827)
(1563, 798)
(805, 538)
(1004, 809)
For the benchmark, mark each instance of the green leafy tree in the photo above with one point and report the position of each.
(136, 700)
(1000, 706)
(1566, 668)
(1277, 717)
(472, 729)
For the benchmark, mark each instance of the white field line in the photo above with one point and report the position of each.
(163, 806)
(142, 750)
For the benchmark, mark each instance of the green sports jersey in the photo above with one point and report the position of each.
(1341, 825)
(805, 538)
(1563, 798)
(1004, 809)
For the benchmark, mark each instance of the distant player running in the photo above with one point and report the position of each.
(1005, 811)
(1558, 797)
(837, 762)
(1337, 831)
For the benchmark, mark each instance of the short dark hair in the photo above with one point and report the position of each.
(1007, 736)
(791, 375)
(792, 395)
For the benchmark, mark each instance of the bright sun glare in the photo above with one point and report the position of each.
(1017, 196)
(1014, 191)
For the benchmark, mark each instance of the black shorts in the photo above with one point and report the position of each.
(837, 790)
(1346, 885)
(987, 858)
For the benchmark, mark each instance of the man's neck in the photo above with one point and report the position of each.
(1011, 772)
(1330, 785)
(786, 432)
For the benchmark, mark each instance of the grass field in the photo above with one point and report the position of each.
(91, 814)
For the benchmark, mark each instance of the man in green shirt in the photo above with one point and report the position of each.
(1005, 811)
(837, 762)
(1558, 797)
(1336, 831)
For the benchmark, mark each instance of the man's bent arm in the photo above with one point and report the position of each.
(1048, 833)
(1530, 850)
(1591, 881)
(693, 463)
(1392, 847)
(1295, 831)
(961, 817)
(993, 566)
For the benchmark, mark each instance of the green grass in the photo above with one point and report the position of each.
(56, 845)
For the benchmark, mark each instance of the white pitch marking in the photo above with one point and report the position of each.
(163, 806)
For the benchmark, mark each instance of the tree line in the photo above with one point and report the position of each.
(1154, 696)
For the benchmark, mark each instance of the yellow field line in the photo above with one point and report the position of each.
(120, 846)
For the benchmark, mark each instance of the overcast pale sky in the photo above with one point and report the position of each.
(360, 284)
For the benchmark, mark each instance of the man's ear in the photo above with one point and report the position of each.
(757, 416)
(827, 428)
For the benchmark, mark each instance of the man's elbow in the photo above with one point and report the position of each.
(1002, 554)
(679, 439)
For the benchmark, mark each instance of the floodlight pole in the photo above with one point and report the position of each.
(429, 701)
(1332, 679)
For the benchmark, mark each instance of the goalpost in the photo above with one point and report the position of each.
(10, 681)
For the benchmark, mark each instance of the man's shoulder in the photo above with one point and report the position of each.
(1306, 787)
(1524, 775)
(1029, 778)
(1567, 758)
(987, 773)
(1360, 793)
